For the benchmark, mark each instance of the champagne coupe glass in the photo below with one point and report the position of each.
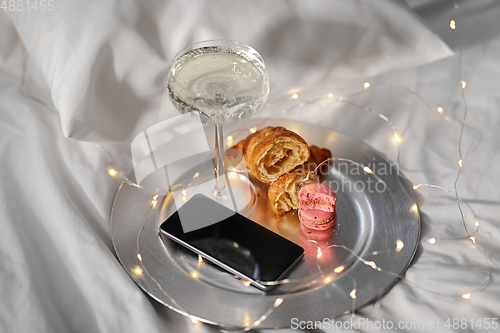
(222, 81)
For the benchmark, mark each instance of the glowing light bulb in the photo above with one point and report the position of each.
(154, 201)
(196, 175)
(230, 138)
(367, 170)
(112, 172)
(278, 302)
(372, 264)
(432, 240)
(415, 187)
(194, 321)
(184, 192)
(247, 283)
(464, 84)
(440, 109)
(330, 95)
(339, 269)
(453, 24)
(466, 296)
(194, 274)
(473, 239)
(397, 137)
(328, 279)
(460, 163)
(295, 96)
(477, 223)
(253, 129)
(366, 85)
(247, 319)
(319, 253)
(137, 270)
(414, 209)
(353, 294)
(399, 245)
(139, 256)
(200, 259)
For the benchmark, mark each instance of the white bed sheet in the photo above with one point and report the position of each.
(59, 272)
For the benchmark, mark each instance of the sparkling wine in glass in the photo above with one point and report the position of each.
(222, 81)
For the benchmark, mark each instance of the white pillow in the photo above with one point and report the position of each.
(106, 61)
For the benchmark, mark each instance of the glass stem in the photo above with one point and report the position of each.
(220, 180)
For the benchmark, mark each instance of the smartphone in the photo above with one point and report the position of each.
(236, 243)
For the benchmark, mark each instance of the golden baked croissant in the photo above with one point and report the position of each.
(318, 155)
(272, 152)
(283, 192)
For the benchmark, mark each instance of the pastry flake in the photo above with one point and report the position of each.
(318, 155)
(283, 192)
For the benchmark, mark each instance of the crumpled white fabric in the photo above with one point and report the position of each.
(106, 62)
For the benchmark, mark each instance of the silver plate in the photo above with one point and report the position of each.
(370, 225)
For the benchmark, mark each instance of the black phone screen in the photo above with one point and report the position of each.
(236, 243)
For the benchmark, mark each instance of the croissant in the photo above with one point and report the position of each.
(272, 152)
(283, 192)
(318, 155)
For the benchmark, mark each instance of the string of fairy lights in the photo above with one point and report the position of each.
(399, 245)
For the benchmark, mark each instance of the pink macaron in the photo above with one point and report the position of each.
(317, 219)
(317, 206)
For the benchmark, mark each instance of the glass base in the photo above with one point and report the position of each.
(240, 194)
